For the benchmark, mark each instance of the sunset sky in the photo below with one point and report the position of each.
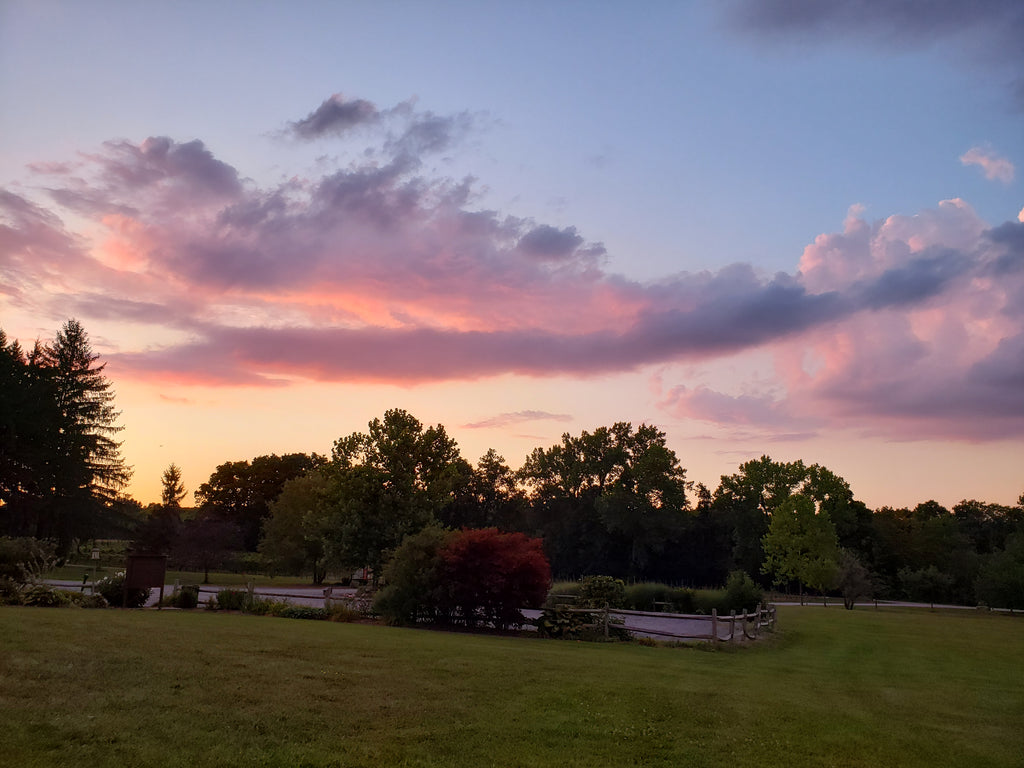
(783, 228)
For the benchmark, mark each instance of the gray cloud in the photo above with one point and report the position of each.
(546, 242)
(989, 31)
(335, 116)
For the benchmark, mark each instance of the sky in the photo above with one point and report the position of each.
(784, 228)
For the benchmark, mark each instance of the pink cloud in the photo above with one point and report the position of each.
(994, 166)
(376, 273)
(948, 364)
(518, 417)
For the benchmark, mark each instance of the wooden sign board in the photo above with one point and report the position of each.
(145, 571)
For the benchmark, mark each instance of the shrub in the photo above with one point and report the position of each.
(707, 600)
(232, 599)
(343, 613)
(599, 591)
(265, 606)
(413, 579)
(41, 596)
(741, 593)
(185, 597)
(83, 600)
(24, 560)
(475, 576)
(488, 576)
(10, 592)
(302, 612)
(645, 596)
(561, 591)
(113, 591)
(568, 623)
(682, 600)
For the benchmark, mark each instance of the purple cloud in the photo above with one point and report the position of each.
(990, 31)
(374, 272)
(334, 117)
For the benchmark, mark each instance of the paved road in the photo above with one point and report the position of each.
(295, 595)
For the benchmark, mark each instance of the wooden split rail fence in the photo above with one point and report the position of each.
(735, 626)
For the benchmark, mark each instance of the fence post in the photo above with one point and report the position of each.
(606, 621)
(250, 587)
(714, 623)
(732, 625)
(327, 598)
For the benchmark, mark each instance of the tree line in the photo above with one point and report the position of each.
(615, 501)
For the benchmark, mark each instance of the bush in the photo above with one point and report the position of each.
(561, 591)
(741, 593)
(113, 591)
(186, 597)
(10, 592)
(41, 596)
(568, 623)
(265, 606)
(232, 599)
(488, 576)
(302, 612)
(599, 591)
(413, 579)
(645, 596)
(682, 600)
(474, 576)
(83, 600)
(25, 560)
(344, 614)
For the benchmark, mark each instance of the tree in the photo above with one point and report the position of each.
(747, 498)
(28, 428)
(926, 585)
(609, 501)
(205, 542)
(646, 498)
(241, 491)
(173, 489)
(801, 545)
(295, 534)
(853, 580)
(160, 530)
(487, 496)
(387, 483)
(87, 468)
(1001, 580)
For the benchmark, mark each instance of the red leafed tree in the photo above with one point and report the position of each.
(488, 576)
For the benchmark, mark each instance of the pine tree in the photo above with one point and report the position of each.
(27, 426)
(173, 489)
(87, 468)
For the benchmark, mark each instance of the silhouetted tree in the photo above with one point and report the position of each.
(386, 483)
(60, 466)
(241, 492)
(173, 489)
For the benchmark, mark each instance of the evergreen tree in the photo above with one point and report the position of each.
(87, 468)
(173, 489)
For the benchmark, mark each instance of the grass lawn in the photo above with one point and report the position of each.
(832, 688)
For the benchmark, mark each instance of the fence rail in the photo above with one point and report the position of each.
(685, 626)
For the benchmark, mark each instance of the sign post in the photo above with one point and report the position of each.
(143, 572)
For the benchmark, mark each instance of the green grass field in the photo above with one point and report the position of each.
(831, 688)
